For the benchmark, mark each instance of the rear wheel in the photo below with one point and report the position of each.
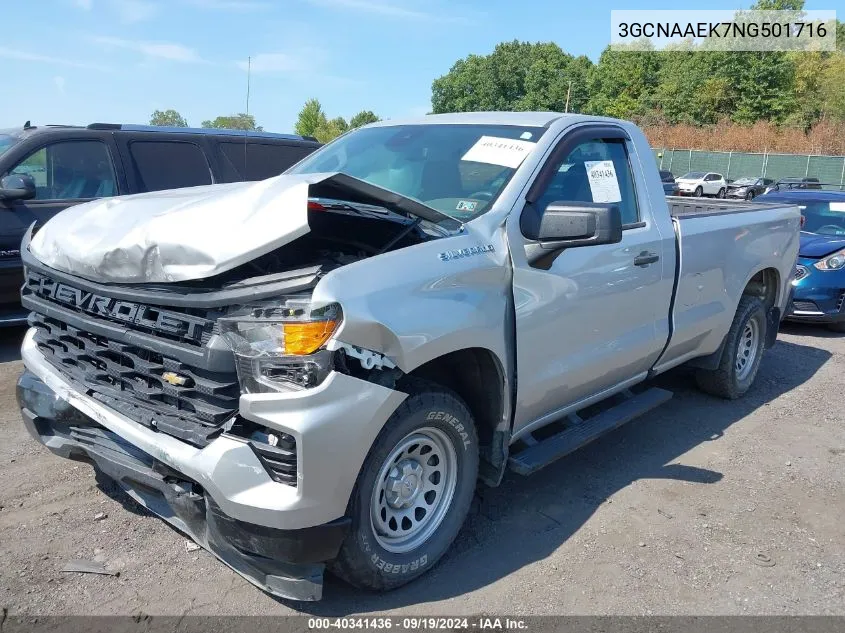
(698, 191)
(742, 353)
(413, 492)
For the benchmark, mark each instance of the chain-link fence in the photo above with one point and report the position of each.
(733, 165)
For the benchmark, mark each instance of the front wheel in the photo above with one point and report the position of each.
(413, 492)
(698, 191)
(721, 193)
(749, 196)
(742, 352)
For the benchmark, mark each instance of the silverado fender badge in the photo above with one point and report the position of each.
(447, 256)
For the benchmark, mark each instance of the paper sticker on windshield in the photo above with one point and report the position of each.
(466, 205)
(493, 150)
(837, 206)
(603, 182)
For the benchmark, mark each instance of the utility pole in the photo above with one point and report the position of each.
(248, 74)
(568, 92)
(246, 131)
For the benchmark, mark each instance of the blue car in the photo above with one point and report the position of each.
(819, 281)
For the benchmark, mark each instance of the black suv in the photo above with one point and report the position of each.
(46, 169)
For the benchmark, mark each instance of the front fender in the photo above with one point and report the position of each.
(412, 306)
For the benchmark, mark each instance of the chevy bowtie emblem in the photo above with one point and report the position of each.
(175, 379)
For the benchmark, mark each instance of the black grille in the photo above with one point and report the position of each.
(805, 306)
(128, 379)
(840, 304)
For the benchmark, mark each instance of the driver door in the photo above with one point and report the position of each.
(595, 318)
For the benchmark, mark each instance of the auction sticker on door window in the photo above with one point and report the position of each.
(837, 206)
(603, 182)
(494, 150)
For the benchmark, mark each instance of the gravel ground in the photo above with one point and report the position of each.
(701, 507)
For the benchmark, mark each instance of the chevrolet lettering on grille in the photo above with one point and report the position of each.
(173, 323)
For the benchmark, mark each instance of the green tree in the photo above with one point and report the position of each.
(168, 118)
(515, 76)
(624, 82)
(311, 117)
(331, 129)
(362, 118)
(234, 122)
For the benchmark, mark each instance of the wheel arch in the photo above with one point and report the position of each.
(477, 375)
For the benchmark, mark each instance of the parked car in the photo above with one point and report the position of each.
(670, 187)
(819, 279)
(701, 183)
(786, 184)
(747, 188)
(46, 169)
(323, 367)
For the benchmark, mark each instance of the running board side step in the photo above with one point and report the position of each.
(581, 432)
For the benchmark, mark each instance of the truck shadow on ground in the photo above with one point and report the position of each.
(527, 519)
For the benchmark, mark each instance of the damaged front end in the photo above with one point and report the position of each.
(225, 403)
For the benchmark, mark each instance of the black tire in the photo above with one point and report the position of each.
(363, 561)
(724, 381)
(837, 327)
(749, 196)
(721, 193)
(698, 192)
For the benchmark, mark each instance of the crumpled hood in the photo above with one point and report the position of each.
(178, 234)
(197, 232)
(815, 245)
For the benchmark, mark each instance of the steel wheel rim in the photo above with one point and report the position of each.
(749, 341)
(413, 490)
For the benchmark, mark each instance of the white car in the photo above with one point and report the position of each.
(702, 183)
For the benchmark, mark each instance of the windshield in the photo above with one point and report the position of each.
(824, 218)
(745, 181)
(460, 170)
(694, 175)
(666, 176)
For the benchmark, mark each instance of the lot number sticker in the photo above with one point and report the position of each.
(493, 150)
(603, 182)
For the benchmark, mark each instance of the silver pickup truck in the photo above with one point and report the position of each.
(313, 371)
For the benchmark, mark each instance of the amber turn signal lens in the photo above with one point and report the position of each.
(307, 337)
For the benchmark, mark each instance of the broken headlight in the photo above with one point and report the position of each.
(278, 347)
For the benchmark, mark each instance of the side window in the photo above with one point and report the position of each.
(70, 170)
(597, 170)
(169, 165)
(258, 161)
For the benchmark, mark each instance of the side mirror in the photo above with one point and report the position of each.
(567, 225)
(17, 187)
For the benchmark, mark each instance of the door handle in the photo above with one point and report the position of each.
(645, 258)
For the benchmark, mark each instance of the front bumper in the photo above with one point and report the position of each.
(334, 426)
(737, 194)
(818, 296)
(286, 563)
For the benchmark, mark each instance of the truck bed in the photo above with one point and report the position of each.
(681, 207)
(715, 260)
